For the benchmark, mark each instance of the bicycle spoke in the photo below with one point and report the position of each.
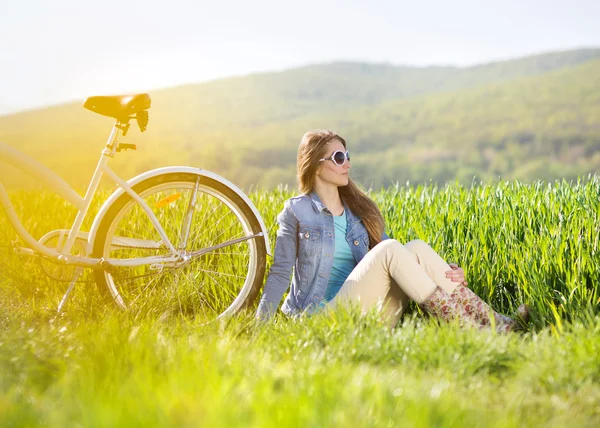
(215, 225)
(223, 274)
(239, 235)
(153, 280)
(217, 284)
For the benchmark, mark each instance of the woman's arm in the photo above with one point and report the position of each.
(286, 251)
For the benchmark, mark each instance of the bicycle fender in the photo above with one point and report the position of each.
(175, 169)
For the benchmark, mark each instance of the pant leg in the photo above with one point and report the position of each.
(396, 302)
(432, 263)
(389, 264)
(394, 305)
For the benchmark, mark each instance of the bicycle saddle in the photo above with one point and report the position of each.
(121, 107)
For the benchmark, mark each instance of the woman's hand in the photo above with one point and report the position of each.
(457, 274)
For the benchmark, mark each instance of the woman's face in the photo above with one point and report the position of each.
(328, 171)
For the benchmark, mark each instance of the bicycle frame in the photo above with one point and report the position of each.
(62, 188)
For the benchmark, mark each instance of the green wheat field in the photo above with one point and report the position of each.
(539, 243)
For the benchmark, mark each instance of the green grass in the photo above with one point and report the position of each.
(538, 244)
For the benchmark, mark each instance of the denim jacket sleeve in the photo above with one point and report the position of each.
(278, 280)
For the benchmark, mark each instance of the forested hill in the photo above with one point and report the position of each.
(535, 117)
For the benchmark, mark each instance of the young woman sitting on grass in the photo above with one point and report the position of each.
(332, 238)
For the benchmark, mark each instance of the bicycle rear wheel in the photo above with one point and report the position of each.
(210, 286)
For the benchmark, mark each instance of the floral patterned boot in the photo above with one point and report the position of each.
(441, 305)
(480, 312)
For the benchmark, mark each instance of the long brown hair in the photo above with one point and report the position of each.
(312, 148)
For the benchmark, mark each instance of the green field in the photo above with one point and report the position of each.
(533, 243)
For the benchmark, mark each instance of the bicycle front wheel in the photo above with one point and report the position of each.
(196, 213)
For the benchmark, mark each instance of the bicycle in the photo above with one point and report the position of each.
(177, 239)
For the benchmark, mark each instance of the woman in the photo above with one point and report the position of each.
(332, 238)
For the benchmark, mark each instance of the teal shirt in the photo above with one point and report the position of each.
(343, 261)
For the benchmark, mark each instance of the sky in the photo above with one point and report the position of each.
(65, 50)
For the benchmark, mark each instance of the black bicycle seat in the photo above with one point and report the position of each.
(121, 107)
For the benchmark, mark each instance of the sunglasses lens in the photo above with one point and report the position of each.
(339, 158)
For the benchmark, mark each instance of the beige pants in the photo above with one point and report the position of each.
(391, 274)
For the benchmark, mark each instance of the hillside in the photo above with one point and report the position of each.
(527, 118)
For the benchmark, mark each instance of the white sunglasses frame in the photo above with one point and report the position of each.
(332, 157)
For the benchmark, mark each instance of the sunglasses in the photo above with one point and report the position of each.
(338, 157)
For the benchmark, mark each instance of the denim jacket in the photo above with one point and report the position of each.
(305, 245)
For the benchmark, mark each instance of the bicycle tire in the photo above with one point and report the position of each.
(194, 288)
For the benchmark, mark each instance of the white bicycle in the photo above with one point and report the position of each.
(177, 239)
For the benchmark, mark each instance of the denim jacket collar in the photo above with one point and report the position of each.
(351, 218)
(320, 206)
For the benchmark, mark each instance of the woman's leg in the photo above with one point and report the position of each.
(432, 263)
(388, 276)
(391, 273)
(471, 304)
(394, 304)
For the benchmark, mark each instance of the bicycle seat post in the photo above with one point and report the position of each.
(111, 144)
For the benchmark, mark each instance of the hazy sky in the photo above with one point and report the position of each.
(57, 50)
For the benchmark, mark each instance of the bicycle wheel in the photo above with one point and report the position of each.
(218, 283)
